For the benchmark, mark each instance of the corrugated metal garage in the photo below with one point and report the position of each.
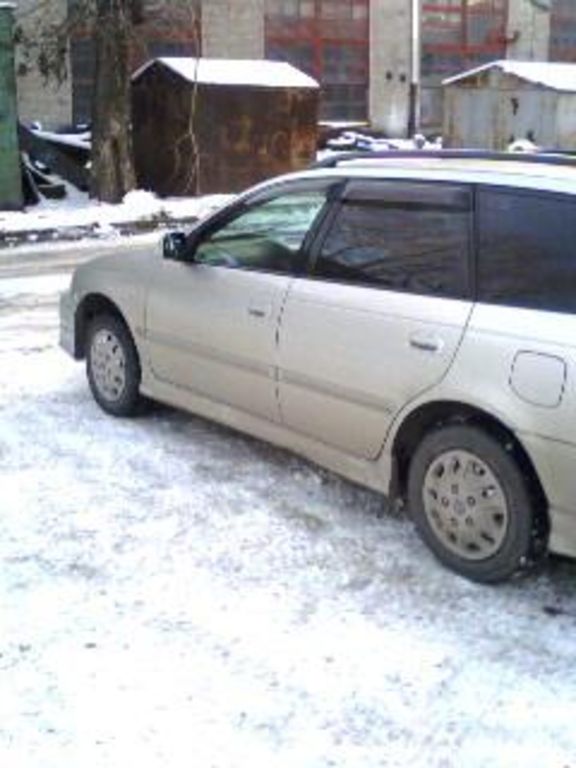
(505, 101)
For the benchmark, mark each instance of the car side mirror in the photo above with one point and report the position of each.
(176, 246)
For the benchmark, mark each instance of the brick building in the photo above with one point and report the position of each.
(359, 50)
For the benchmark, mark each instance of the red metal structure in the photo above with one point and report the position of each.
(327, 39)
(457, 35)
(461, 34)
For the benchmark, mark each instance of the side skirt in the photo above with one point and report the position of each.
(375, 475)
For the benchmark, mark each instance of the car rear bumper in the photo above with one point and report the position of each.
(555, 463)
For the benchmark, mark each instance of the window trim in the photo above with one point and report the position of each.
(409, 192)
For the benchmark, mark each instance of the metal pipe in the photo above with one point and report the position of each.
(415, 42)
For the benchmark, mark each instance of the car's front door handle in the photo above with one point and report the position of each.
(426, 342)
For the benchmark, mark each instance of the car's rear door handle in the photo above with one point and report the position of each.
(426, 342)
(257, 312)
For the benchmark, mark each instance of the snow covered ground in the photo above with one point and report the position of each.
(174, 594)
(77, 211)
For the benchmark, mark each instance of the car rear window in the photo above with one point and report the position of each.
(527, 249)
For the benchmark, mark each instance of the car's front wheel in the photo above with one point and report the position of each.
(472, 504)
(112, 366)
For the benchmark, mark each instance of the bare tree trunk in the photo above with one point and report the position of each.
(112, 158)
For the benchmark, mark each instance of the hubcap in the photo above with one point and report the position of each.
(108, 364)
(465, 505)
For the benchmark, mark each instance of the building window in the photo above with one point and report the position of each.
(461, 34)
(327, 39)
(563, 31)
(162, 30)
(82, 62)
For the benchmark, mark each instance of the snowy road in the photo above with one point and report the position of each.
(173, 595)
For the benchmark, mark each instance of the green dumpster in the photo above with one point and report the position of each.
(10, 175)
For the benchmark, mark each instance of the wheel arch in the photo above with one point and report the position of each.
(92, 305)
(434, 415)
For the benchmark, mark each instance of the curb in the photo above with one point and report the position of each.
(95, 231)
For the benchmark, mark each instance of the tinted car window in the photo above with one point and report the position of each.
(402, 242)
(527, 250)
(268, 236)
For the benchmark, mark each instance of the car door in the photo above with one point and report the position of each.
(211, 321)
(380, 317)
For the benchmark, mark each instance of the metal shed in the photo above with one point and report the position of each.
(504, 101)
(217, 125)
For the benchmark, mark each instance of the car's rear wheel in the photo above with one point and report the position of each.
(472, 504)
(112, 366)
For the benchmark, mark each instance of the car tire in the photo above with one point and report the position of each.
(113, 366)
(472, 504)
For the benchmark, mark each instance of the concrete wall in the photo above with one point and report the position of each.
(38, 98)
(390, 24)
(233, 29)
(528, 30)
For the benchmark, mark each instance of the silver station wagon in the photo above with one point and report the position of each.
(406, 321)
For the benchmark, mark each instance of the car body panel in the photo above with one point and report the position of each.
(366, 354)
(122, 279)
(328, 370)
(556, 461)
(213, 330)
(374, 475)
(484, 368)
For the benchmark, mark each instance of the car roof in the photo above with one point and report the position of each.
(544, 172)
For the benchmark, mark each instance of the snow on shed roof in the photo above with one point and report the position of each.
(255, 72)
(560, 77)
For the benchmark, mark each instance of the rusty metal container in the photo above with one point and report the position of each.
(213, 125)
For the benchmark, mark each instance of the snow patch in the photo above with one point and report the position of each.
(77, 210)
(78, 140)
(251, 72)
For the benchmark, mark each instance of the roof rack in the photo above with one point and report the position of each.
(552, 157)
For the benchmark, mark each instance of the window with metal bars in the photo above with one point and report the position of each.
(461, 34)
(563, 31)
(164, 29)
(327, 39)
